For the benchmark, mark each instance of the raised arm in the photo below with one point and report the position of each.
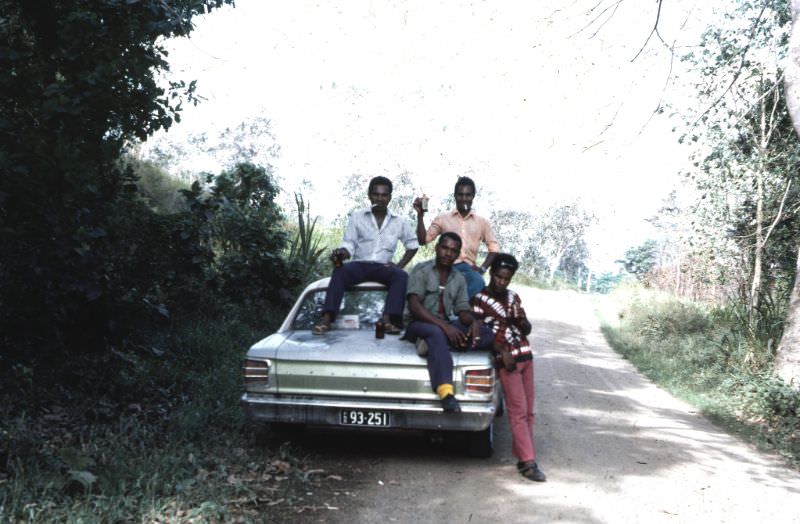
(491, 244)
(420, 221)
(487, 262)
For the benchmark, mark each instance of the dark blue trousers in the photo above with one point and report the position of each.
(440, 361)
(356, 272)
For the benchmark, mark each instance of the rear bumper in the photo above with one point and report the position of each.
(474, 416)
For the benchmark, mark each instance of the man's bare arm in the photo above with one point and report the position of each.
(407, 256)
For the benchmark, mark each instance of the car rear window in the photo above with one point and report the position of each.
(361, 308)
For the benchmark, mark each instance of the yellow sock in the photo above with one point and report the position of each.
(444, 389)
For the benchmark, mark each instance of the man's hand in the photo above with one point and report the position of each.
(508, 361)
(475, 333)
(520, 319)
(340, 253)
(454, 335)
(417, 205)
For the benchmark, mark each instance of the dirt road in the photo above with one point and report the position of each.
(615, 448)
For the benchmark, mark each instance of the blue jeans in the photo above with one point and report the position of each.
(474, 279)
(353, 273)
(440, 361)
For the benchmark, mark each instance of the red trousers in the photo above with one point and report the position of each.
(519, 397)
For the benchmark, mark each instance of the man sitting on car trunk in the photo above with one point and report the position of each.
(370, 238)
(436, 293)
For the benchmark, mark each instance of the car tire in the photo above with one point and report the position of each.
(480, 444)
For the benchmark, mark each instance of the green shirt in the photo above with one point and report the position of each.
(423, 281)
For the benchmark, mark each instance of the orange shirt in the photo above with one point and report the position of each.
(473, 230)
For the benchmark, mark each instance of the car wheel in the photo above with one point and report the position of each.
(480, 444)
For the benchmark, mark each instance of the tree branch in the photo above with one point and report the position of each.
(777, 216)
(654, 31)
(739, 70)
(604, 11)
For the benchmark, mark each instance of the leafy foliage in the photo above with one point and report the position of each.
(251, 141)
(743, 224)
(305, 250)
(79, 81)
(640, 260)
(247, 236)
(547, 241)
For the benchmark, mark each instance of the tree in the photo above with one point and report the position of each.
(742, 137)
(787, 360)
(640, 260)
(515, 232)
(78, 84)
(251, 141)
(247, 236)
(557, 230)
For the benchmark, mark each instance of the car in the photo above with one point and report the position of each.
(350, 378)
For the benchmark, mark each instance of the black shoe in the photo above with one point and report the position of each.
(450, 404)
(531, 471)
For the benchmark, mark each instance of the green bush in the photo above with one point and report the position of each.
(668, 318)
(80, 83)
(714, 357)
(160, 191)
(306, 249)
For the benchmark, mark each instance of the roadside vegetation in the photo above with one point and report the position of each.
(148, 428)
(711, 316)
(709, 356)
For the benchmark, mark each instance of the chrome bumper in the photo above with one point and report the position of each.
(474, 416)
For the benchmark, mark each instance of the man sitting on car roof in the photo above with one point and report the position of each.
(370, 239)
(435, 294)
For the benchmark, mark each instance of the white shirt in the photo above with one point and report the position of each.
(366, 242)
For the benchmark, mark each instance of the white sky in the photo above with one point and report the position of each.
(515, 94)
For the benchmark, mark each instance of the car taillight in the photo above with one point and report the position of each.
(479, 380)
(256, 372)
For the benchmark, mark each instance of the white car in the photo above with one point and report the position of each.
(349, 378)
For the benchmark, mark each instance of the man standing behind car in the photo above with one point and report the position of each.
(370, 239)
(473, 229)
(436, 293)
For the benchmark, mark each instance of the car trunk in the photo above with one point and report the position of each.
(355, 364)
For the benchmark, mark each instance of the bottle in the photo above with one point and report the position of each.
(379, 329)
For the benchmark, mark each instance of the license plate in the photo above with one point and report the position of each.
(361, 417)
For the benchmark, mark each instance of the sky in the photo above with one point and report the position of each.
(540, 102)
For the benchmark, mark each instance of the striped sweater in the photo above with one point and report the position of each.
(496, 314)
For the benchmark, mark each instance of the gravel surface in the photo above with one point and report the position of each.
(615, 448)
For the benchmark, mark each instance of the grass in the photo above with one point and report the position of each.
(709, 357)
(143, 435)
